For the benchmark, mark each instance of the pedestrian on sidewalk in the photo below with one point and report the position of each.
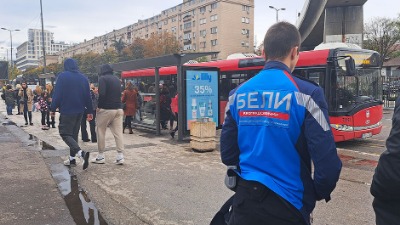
(71, 96)
(9, 98)
(165, 106)
(139, 104)
(26, 102)
(94, 95)
(385, 185)
(109, 114)
(44, 109)
(174, 108)
(129, 98)
(36, 95)
(275, 126)
(18, 98)
(49, 90)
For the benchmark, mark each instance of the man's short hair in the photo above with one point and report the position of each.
(280, 39)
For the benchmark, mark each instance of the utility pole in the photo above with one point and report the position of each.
(42, 81)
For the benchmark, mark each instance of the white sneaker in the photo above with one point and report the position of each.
(99, 160)
(119, 161)
(69, 162)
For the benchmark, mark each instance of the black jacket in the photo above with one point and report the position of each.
(109, 92)
(386, 180)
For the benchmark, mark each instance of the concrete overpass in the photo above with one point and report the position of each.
(331, 21)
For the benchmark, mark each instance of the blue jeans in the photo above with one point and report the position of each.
(9, 109)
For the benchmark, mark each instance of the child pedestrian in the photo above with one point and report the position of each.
(44, 109)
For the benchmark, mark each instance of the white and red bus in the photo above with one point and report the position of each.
(354, 102)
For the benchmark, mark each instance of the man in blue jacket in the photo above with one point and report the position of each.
(275, 125)
(72, 97)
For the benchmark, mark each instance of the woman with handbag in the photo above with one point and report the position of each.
(26, 102)
(129, 99)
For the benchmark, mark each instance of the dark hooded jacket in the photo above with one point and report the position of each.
(72, 92)
(386, 180)
(109, 89)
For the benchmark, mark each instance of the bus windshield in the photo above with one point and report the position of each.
(364, 87)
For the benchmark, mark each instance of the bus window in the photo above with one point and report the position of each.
(317, 76)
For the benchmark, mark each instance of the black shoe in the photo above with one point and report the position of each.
(53, 126)
(94, 141)
(26, 123)
(31, 124)
(172, 134)
(85, 140)
(85, 156)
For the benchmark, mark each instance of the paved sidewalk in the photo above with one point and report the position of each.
(164, 182)
(28, 192)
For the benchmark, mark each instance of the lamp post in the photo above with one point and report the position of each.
(12, 66)
(277, 10)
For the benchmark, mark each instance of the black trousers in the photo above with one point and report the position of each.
(254, 203)
(386, 212)
(92, 126)
(69, 129)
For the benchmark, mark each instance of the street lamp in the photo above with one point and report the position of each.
(12, 67)
(277, 10)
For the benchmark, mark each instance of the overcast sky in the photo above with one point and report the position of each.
(76, 20)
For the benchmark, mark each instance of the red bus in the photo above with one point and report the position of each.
(354, 102)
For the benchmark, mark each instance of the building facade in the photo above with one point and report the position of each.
(30, 52)
(222, 26)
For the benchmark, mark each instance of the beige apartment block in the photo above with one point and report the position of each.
(224, 26)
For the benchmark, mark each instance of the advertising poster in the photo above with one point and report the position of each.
(201, 95)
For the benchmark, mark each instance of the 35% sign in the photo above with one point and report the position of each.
(203, 89)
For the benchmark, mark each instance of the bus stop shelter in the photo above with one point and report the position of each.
(163, 61)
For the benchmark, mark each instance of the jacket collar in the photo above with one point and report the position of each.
(276, 65)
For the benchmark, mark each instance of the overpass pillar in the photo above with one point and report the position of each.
(344, 24)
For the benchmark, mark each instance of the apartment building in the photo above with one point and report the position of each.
(30, 52)
(225, 26)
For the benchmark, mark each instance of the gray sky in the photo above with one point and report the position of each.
(76, 20)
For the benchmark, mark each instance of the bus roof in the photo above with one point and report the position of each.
(307, 58)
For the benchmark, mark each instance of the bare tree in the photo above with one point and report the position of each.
(381, 34)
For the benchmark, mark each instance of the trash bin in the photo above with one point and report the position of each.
(202, 135)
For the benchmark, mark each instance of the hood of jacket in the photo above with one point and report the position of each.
(71, 65)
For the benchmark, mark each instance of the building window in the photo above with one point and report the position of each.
(214, 5)
(245, 31)
(203, 33)
(246, 8)
(214, 42)
(214, 17)
(173, 30)
(202, 9)
(203, 21)
(214, 56)
(245, 20)
(186, 36)
(173, 19)
(187, 47)
(203, 44)
(187, 25)
(214, 30)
